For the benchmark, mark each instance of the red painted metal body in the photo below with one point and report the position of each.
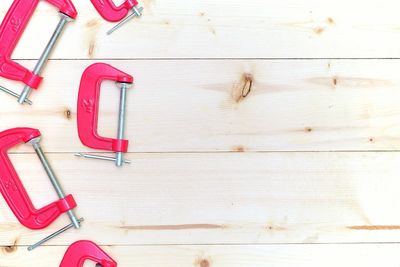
(88, 106)
(83, 250)
(110, 12)
(13, 190)
(11, 30)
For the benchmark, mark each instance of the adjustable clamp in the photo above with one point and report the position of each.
(88, 111)
(15, 194)
(110, 12)
(11, 30)
(80, 251)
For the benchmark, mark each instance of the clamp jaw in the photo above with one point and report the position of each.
(110, 12)
(81, 251)
(11, 30)
(88, 110)
(15, 193)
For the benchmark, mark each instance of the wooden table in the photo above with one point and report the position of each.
(264, 133)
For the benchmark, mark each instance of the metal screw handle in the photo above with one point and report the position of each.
(5, 90)
(89, 156)
(44, 240)
(136, 12)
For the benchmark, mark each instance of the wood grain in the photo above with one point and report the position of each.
(220, 198)
(211, 106)
(225, 29)
(222, 256)
(307, 92)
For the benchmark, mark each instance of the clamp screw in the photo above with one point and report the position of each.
(75, 222)
(45, 56)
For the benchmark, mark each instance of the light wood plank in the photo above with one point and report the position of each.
(225, 29)
(220, 198)
(183, 106)
(222, 256)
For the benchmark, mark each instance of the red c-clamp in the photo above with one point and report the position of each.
(88, 111)
(80, 251)
(110, 12)
(15, 194)
(11, 30)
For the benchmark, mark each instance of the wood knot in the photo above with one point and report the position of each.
(248, 85)
(308, 129)
(92, 48)
(92, 23)
(204, 263)
(334, 81)
(68, 113)
(245, 87)
(10, 249)
(319, 30)
(238, 149)
(271, 228)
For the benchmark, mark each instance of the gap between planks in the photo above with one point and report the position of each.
(211, 59)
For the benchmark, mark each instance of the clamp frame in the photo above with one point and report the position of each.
(11, 30)
(14, 192)
(88, 111)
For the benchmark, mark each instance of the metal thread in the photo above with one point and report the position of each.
(45, 55)
(121, 122)
(53, 178)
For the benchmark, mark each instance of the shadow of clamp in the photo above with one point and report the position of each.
(83, 250)
(88, 111)
(11, 30)
(110, 12)
(15, 193)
